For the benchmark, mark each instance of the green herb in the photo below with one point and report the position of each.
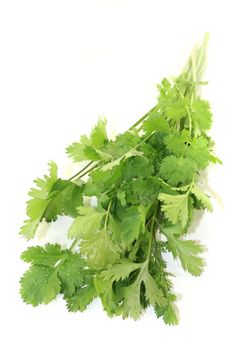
(146, 186)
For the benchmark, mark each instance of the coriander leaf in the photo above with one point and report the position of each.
(39, 285)
(106, 294)
(131, 222)
(201, 114)
(104, 156)
(164, 90)
(131, 305)
(157, 122)
(177, 170)
(141, 191)
(198, 152)
(47, 255)
(69, 267)
(64, 198)
(71, 273)
(168, 312)
(177, 110)
(88, 221)
(135, 168)
(122, 144)
(86, 148)
(201, 196)
(188, 252)
(172, 103)
(129, 154)
(99, 134)
(54, 197)
(38, 204)
(153, 293)
(99, 249)
(81, 298)
(176, 142)
(29, 229)
(176, 229)
(80, 151)
(119, 271)
(133, 153)
(175, 207)
(170, 315)
(107, 278)
(121, 197)
(215, 159)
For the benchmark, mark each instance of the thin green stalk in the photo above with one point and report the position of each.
(141, 142)
(153, 228)
(107, 214)
(142, 118)
(80, 172)
(190, 120)
(88, 171)
(194, 75)
(152, 236)
(73, 245)
(201, 60)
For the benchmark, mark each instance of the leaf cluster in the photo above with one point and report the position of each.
(146, 186)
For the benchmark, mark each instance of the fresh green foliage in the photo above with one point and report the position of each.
(87, 222)
(82, 297)
(48, 255)
(39, 285)
(99, 249)
(52, 198)
(39, 202)
(64, 198)
(146, 186)
(201, 114)
(202, 197)
(177, 170)
(187, 251)
(175, 207)
(89, 147)
(52, 271)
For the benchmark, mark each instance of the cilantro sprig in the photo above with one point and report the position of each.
(146, 183)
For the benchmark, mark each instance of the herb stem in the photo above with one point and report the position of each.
(141, 142)
(80, 172)
(190, 120)
(150, 240)
(152, 231)
(201, 60)
(73, 245)
(194, 75)
(88, 171)
(142, 118)
(107, 214)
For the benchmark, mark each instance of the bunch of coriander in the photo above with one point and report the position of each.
(146, 186)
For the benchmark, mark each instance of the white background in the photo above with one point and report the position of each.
(64, 63)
